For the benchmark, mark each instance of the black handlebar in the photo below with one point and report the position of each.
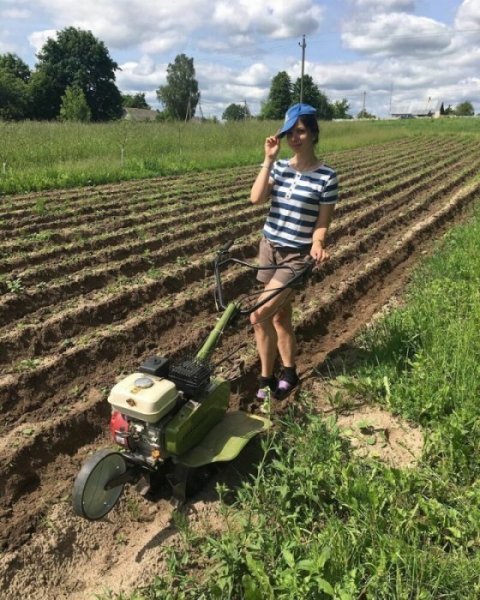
(223, 259)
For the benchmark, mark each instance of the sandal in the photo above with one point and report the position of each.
(267, 390)
(284, 389)
(262, 393)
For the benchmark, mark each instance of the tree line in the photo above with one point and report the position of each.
(283, 93)
(74, 79)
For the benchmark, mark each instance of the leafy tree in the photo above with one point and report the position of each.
(44, 94)
(364, 114)
(134, 101)
(14, 91)
(180, 95)
(313, 96)
(14, 64)
(14, 97)
(76, 58)
(236, 112)
(464, 109)
(74, 105)
(446, 111)
(279, 97)
(340, 109)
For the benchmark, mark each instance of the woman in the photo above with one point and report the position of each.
(303, 192)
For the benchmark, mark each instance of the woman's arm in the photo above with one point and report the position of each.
(325, 213)
(319, 237)
(262, 188)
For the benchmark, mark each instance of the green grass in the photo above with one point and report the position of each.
(317, 522)
(39, 155)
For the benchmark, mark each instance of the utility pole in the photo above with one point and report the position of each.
(427, 110)
(189, 110)
(200, 109)
(302, 45)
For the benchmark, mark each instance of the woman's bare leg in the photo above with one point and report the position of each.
(286, 341)
(266, 335)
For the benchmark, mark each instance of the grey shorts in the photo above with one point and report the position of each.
(270, 255)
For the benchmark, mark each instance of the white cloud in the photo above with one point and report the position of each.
(274, 18)
(468, 15)
(14, 13)
(240, 43)
(404, 82)
(384, 6)
(467, 22)
(141, 76)
(162, 43)
(38, 38)
(255, 75)
(250, 83)
(127, 23)
(398, 33)
(160, 26)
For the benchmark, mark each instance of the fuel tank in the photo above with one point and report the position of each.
(144, 397)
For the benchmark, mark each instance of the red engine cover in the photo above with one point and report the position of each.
(119, 425)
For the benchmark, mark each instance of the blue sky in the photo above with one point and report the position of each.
(390, 54)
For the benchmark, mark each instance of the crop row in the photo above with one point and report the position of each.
(55, 208)
(54, 284)
(140, 298)
(89, 299)
(157, 221)
(359, 263)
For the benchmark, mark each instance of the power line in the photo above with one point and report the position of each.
(284, 43)
(287, 43)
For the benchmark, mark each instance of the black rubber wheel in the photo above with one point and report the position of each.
(90, 497)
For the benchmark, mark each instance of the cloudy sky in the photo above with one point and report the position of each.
(384, 54)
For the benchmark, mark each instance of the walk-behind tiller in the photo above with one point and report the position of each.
(171, 416)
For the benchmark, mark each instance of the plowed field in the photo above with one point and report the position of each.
(96, 279)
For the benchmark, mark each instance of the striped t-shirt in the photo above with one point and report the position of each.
(296, 200)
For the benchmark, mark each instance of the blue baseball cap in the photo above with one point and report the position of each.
(292, 114)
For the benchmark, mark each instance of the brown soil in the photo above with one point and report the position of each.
(77, 321)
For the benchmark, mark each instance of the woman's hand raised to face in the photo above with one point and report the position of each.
(272, 147)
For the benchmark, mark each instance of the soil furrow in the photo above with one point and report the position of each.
(35, 225)
(400, 247)
(48, 236)
(99, 326)
(42, 338)
(17, 305)
(18, 391)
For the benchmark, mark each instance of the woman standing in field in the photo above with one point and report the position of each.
(303, 192)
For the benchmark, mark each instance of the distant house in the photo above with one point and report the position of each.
(411, 111)
(139, 114)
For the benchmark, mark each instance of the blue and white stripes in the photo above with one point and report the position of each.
(296, 200)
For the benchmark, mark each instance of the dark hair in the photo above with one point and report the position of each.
(311, 123)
